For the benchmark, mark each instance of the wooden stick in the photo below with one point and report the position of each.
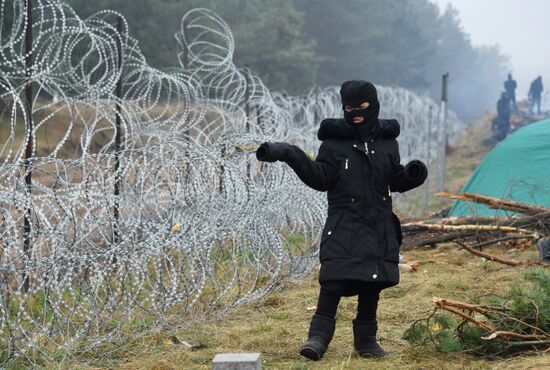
(477, 220)
(489, 256)
(465, 316)
(489, 220)
(511, 334)
(542, 219)
(441, 238)
(513, 237)
(445, 228)
(529, 343)
(496, 203)
(467, 306)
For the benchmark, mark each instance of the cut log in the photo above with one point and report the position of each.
(504, 239)
(465, 228)
(418, 242)
(464, 221)
(497, 203)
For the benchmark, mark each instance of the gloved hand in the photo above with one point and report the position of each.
(271, 152)
(416, 170)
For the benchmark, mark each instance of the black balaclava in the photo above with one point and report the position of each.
(354, 93)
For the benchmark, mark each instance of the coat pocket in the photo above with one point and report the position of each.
(393, 238)
(397, 224)
(328, 246)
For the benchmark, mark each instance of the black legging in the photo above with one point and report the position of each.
(331, 292)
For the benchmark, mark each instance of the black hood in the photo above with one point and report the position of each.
(337, 128)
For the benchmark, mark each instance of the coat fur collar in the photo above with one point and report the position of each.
(337, 128)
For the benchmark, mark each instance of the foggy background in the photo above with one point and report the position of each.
(519, 27)
(296, 44)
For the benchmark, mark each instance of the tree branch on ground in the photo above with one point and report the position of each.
(496, 203)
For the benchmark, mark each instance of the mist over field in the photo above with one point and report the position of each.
(518, 27)
(296, 44)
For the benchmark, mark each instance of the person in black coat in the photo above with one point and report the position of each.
(358, 165)
(501, 124)
(510, 86)
(535, 94)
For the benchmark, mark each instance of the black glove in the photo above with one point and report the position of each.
(271, 152)
(416, 170)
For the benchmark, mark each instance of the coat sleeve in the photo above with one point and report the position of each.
(319, 174)
(405, 178)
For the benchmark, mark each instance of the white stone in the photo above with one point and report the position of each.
(237, 361)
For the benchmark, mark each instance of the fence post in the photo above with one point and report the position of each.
(247, 113)
(28, 149)
(222, 169)
(187, 132)
(116, 212)
(443, 133)
(184, 51)
(428, 154)
(259, 125)
(315, 107)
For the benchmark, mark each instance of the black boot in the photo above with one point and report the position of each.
(320, 334)
(364, 339)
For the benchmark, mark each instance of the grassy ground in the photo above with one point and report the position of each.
(277, 326)
(463, 159)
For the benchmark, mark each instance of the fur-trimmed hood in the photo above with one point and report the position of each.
(337, 128)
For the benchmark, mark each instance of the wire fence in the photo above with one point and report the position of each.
(132, 196)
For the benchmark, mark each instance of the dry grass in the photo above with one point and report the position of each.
(277, 326)
(468, 153)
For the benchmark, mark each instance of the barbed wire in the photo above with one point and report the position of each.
(202, 226)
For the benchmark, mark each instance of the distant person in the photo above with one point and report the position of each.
(510, 86)
(535, 93)
(501, 125)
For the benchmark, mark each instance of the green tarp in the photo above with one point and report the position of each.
(516, 169)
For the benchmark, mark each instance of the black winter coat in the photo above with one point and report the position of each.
(361, 236)
(503, 109)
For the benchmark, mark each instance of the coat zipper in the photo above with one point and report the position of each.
(375, 276)
(346, 163)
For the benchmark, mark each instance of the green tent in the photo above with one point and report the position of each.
(517, 169)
